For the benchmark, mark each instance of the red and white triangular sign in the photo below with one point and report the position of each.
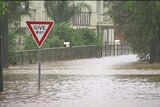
(40, 30)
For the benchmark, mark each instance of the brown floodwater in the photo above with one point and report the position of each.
(81, 83)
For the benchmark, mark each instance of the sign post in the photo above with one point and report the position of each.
(39, 68)
(39, 31)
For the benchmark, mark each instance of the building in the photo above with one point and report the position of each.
(94, 20)
(37, 12)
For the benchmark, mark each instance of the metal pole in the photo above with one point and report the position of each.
(105, 46)
(39, 69)
(114, 49)
(117, 49)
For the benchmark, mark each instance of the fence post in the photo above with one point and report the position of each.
(117, 49)
(68, 53)
(105, 46)
(110, 47)
(128, 48)
(114, 48)
(101, 52)
(125, 48)
(122, 49)
(21, 58)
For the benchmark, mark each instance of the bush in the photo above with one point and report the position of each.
(62, 32)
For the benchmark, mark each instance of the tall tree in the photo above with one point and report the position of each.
(141, 24)
(63, 11)
(2, 9)
(9, 11)
(13, 12)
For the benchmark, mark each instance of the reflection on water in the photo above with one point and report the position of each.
(81, 83)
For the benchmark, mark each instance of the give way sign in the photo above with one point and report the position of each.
(40, 30)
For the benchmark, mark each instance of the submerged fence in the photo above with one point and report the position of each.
(65, 53)
(112, 48)
(54, 54)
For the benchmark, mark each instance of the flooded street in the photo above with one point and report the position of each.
(82, 83)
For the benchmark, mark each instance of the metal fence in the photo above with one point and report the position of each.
(54, 54)
(64, 53)
(112, 48)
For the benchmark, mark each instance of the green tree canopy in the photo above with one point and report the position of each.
(3, 7)
(12, 11)
(141, 24)
(63, 11)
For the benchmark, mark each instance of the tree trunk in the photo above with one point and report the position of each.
(1, 70)
(5, 41)
(153, 54)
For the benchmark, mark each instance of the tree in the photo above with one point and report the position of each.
(61, 33)
(140, 22)
(13, 11)
(3, 7)
(63, 11)
(89, 37)
(9, 11)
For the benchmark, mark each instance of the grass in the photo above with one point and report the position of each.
(139, 65)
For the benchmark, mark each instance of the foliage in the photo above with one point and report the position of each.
(13, 35)
(141, 24)
(14, 10)
(29, 42)
(63, 11)
(12, 41)
(62, 32)
(3, 7)
(89, 37)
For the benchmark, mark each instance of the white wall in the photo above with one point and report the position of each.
(36, 8)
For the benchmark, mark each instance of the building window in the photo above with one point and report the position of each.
(108, 35)
(82, 19)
